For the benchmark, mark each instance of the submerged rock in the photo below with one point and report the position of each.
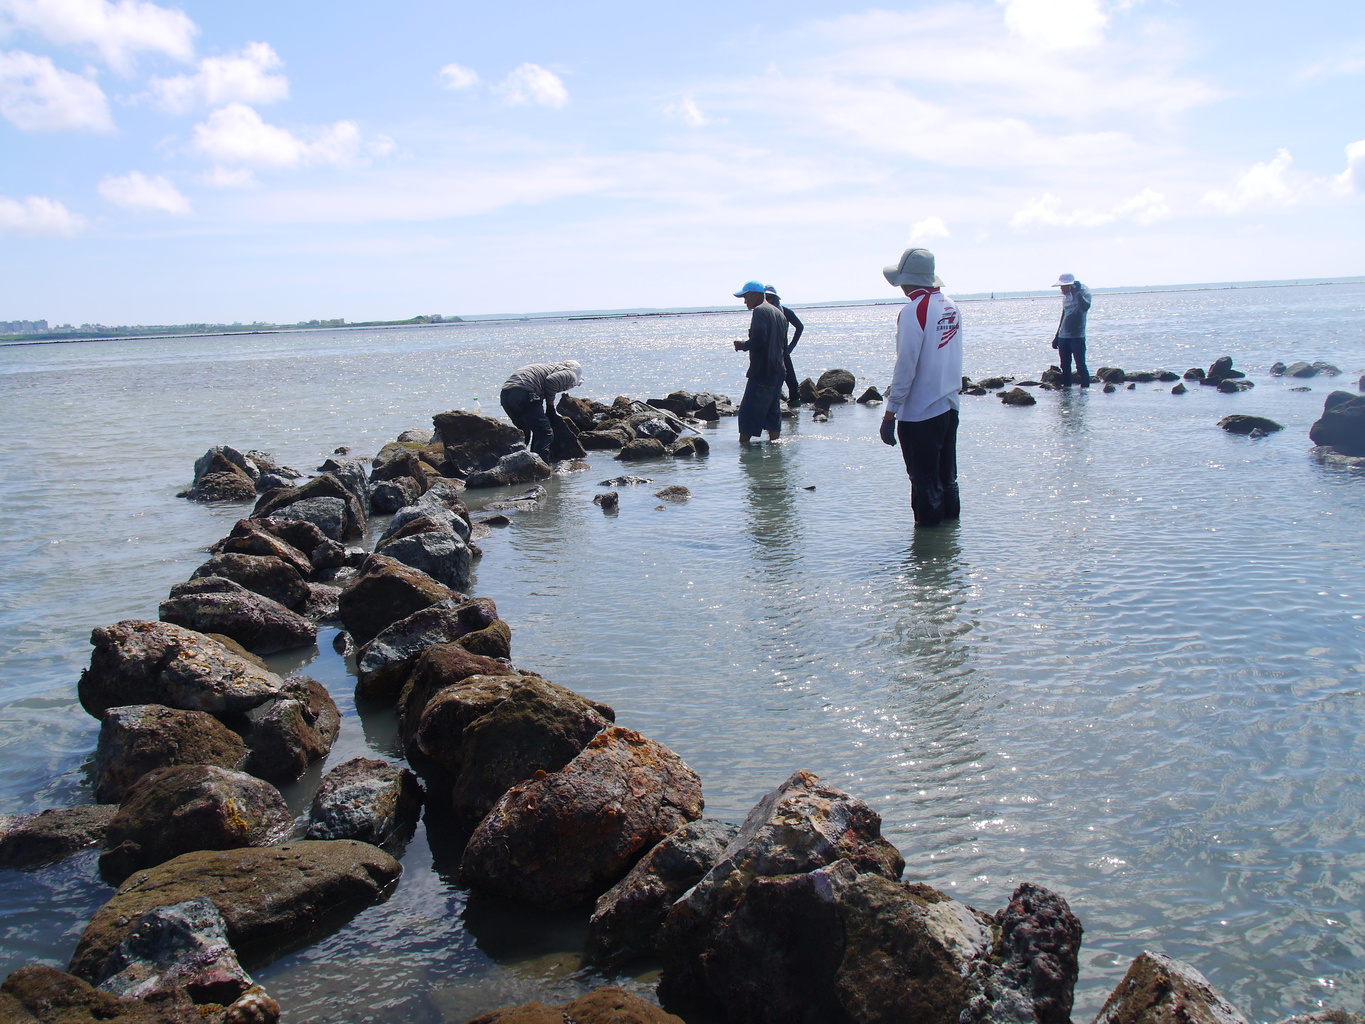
(214, 604)
(139, 738)
(175, 810)
(870, 397)
(1159, 989)
(609, 501)
(267, 896)
(690, 446)
(32, 840)
(365, 799)
(183, 946)
(140, 662)
(1017, 396)
(605, 1005)
(561, 839)
(1241, 424)
(1342, 424)
(676, 492)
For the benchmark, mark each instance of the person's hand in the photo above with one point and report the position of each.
(889, 432)
(739, 346)
(1054, 343)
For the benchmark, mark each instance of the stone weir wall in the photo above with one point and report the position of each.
(798, 913)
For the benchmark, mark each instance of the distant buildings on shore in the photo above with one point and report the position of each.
(22, 326)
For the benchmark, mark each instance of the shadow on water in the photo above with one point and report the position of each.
(770, 511)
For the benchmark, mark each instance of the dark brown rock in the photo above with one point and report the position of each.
(139, 662)
(1238, 423)
(472, 442)
(252, 538)
(390, 495)
(383, 592)
(141, 737)
(384, 664)
(214, 604)
(605, 1005)
(642, 448)
(1342, 424)
(493, 641)
(266, 575)
(268, 896)
(841, 381)
(31, 840)
(562, 839)
(1159, 989)
(175, 810)
(38, 993)
(325, 486)
(293, 731)
(1017, 396)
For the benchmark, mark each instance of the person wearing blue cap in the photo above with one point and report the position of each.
(760, 409)
(793, 398)
(922, 402)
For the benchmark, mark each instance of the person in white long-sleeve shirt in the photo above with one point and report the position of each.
(922, 404)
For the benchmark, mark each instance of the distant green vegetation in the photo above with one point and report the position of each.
(94, 332)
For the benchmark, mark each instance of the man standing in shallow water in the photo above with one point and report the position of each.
(1070, 339)
(760, 408)
(922, 404)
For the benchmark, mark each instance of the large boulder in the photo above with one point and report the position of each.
(627, 917)
(139, 662)
(215, 604)
(518, 467)
(38, 994)
(293, 731)
(266, 575)
(138, 738)
(30, 840)
(391, 495)
(328, 515)
(306, 536)
(183, 946)
(383, 664)
(1159, 989)
(384, 591)
(561, 839)
(325, 486)
(440, 553)
(605, 1005)
(841, 381)
(171, 811)
(472, 442)
(354, 475)
(537, 727)
(799, 827)
(223, 474)
(250, 537)
(1342, 424)
(427, 516)
(372, 801)
(267, 896)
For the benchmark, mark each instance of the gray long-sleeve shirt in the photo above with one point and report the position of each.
(1075, 309)
(767, 344)
(543, 380)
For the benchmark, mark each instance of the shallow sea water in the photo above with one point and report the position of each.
(1132, 673)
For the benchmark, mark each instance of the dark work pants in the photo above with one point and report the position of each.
(793, 385)
(930, 451)
(528, 415)
(1068, 349)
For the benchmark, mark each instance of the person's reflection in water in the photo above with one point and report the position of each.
(771, 511)
(929, 598)
(1071, 413)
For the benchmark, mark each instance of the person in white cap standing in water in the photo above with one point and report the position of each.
(922, 403)
(1070, 338)
(760, 408)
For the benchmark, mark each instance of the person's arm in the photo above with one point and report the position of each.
(797, 326)
(559, 380)
(909, 342)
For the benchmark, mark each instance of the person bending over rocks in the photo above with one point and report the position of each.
(525, 391)
(922, 404)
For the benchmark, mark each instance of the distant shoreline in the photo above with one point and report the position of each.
(570, 315)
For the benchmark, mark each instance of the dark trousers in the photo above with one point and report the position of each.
(1067, 350)
(528, 415)
(930, 451)
(761, 407)
(793, 385)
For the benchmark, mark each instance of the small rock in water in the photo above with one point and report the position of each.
(1306, 388)
(344, 449)
(608, 501)
(1109, 389)
(1131, 387)
(1257, 432)
(1017, 396)
(676, 492)
(494, 520)
(1179, 389)
(625, 481)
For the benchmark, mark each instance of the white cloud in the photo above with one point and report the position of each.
(136, 191)
(1056, 24)
(687, 111)
(246, 77)
(236, 136)
(1268, 183)
(531, 83)
(457, 76)
(1145, 208)
(222, 177)
(1352, 179)
(38, 96)
(928, 229)
(118, 31)
(36, 215)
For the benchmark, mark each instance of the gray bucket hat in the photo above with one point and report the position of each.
(915, 268)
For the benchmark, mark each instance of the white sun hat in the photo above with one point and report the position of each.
(1064, 279)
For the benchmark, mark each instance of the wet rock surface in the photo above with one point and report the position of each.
(365, 799)
(267, 897)
(384, 664)
(605, 1005)
(297, 728)
(171, 811)
(384, 591)
(141, 662)
(1159, 989)
(1342, 424)
(266, 575)
(214, 604)
(49, 996)
(563, 838)
(138, 738)
(32, 840)
(1242, 424)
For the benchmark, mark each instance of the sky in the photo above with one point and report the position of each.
(215, 162)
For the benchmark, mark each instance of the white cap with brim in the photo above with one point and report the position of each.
(1065, 279)
(915, 268)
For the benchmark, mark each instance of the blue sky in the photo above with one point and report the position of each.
(169, 163)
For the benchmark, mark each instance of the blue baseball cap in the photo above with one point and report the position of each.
(749, 286)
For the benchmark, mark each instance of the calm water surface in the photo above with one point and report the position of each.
(1132, 673)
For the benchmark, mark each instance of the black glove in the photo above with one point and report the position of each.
(889, 432)
(1054, 342)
